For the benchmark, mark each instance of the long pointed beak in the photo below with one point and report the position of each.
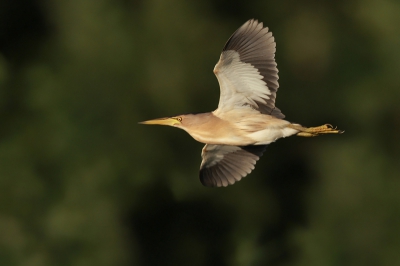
(167, 121)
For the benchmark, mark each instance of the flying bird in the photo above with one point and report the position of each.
(237, 133)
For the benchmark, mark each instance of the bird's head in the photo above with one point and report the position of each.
(174, 121)
(186, 121)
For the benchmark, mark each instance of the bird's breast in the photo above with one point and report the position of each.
(218, 131)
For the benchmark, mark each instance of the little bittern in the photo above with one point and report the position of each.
(246, 120)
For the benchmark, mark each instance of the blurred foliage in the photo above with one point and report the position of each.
(81, 183)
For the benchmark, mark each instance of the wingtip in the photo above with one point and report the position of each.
(206, 180)
(255, 21)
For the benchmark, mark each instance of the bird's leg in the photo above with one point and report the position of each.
(315, 131)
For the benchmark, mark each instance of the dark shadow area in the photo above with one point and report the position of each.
(180, 233)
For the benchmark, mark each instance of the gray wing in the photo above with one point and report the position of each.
(247, 72)
(223, 165)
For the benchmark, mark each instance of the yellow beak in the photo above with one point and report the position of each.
(167, 121)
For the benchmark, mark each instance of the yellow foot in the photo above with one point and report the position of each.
(315, 131)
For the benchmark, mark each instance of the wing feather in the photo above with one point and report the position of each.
(223, 165)
(247, 72)
(227, 174)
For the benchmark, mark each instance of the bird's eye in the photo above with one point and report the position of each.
(179, 119)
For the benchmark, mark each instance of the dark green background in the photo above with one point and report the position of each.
(81, 183)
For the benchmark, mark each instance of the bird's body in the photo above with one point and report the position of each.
(246, 121)
(237, 128)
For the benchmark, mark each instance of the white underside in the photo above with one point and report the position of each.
(271, 134)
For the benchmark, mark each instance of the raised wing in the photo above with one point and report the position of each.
(223, 165)
(247, 72)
